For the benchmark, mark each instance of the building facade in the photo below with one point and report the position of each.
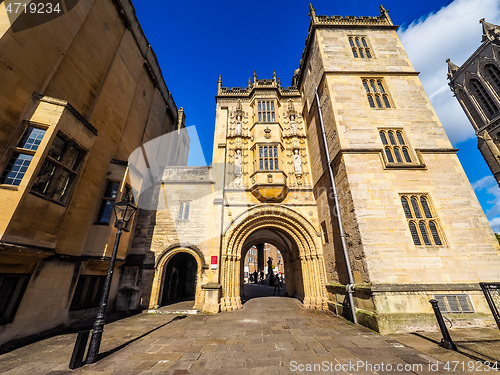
(405, 226)
(476, 85)
(79, 94)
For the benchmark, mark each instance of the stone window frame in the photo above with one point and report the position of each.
(423, 224)
(480, 95)
(376, 92)
(262, 158)
(396, 148)
(266, 110)
(105, 211)
(14, 292)
(22, 154)
(53, 188)
(360, 47)
(88, 292)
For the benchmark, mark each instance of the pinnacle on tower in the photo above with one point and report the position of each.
(490, 31)
(312, 11)
(452, 68)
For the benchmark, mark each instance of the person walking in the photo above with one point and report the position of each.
(277, 284)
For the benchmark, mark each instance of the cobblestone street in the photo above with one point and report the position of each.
(270, 335)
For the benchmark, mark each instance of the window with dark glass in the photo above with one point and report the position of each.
(268, 158)
(12, 287)
(376, 93)
(359, 47)
(107, 202)
(88, 292)
(22, 156)
(488, 106)
(265, 111)
(59, 170)
(421, 222)
(395, 146)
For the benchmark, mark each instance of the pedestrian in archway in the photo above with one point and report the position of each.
(277, 284)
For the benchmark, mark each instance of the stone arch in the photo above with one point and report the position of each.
(165, 257)
(307, 248)
(480, 93)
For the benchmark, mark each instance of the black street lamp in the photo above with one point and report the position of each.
(124, 211)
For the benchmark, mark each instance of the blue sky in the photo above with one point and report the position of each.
(195, 41)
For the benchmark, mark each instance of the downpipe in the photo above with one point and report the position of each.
(350, 285)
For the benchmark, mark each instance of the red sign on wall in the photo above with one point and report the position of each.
(213, 262)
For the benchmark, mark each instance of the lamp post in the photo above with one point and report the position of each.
(124, 211)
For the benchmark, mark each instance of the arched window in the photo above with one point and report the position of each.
(359, 46)
(376, 93)
(421, 226)
(478, 91)
(492, 73)
(396, 144)
(470, 108)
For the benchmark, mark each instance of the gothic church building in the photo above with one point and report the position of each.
(348, 172)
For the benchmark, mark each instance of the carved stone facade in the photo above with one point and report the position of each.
(413, 226)
(476, 85)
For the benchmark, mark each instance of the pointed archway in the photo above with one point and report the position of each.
(293, 235)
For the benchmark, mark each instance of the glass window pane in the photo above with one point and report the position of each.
(435, 234)
(425, 207)
(400, 138)
(268, 106)
(423, 232)
(363, 40)
(355, 53)
(416, 209)
(261, 165)
(111, 189)
(383, 138)
(44, 177)
(379, 103)
(62, 183)
(380, 87)
(392, 139)
(406, 155)
(370, 100)
(357, 42)
(271, 164)
(386, 101)
(276, 164)
(388, 152)
(31, 138)
(368, 53)
(259, 104)
(266, 164)
(181, 208)
(272, 114)
(16, 168)
(105, 211)
(260, 117)
(275, 151)
(272, 106)
(414, 234)
(351, 42)
(260, 151)
(361, 54)
(372, 84)
(406, 208)
(186, 211)
(57, 149)
(365, 85)
(265, 152)
(398, 155)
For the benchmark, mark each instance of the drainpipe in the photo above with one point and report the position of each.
(350, 286)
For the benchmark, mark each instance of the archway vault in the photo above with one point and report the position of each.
(297, 229)
(158, 281)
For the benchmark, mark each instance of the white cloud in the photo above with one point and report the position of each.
(486, 181)
(452, 32)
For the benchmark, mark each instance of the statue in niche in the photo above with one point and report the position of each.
(238, 125)
(297, 162)
(293, 127)
(237, 163)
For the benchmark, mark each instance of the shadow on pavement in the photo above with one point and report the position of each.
(109, 352)
(485, 351)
